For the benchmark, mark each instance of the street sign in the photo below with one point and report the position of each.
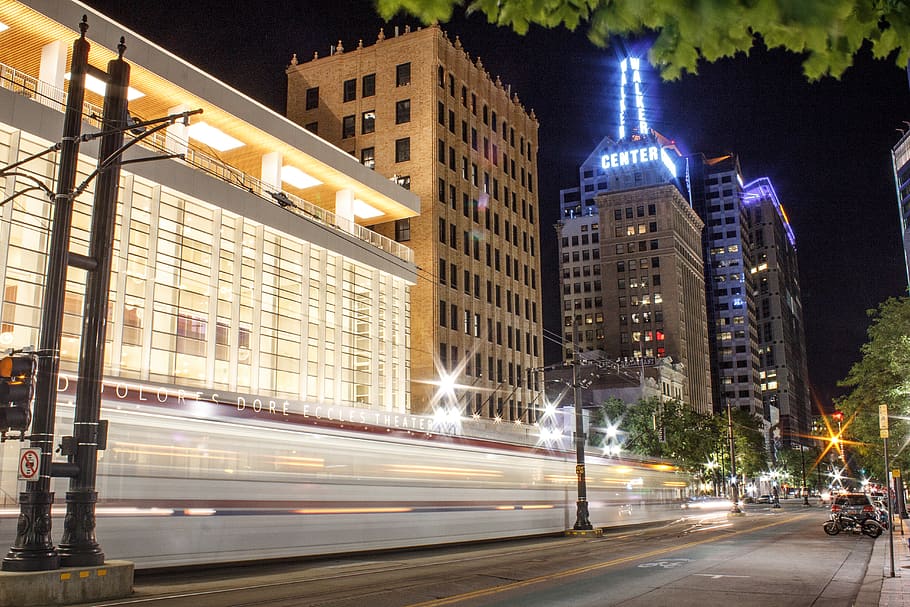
(883, 421)
(29, 464)
(579, 469)
(896, 473)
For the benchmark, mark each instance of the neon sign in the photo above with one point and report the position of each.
(615, 160)
(623, 158)
(628, 65)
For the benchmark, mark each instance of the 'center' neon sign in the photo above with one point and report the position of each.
(652, 153)
(628, 157)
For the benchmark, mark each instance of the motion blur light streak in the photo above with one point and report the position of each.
(441, 471)
(306, 462)
(351, 510)
(113, 511)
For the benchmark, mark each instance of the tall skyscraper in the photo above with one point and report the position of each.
(716, 192)
(900, 161)
(654, 283)
(779, 311)
(418, 109)
(630, 252)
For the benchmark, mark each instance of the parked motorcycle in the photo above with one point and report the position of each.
(851, 524)
(881, 512)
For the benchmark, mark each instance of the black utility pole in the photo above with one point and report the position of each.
(33, 549)
(78, 547)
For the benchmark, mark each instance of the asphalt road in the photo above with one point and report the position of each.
(777, 557)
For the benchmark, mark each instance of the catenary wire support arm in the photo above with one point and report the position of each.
(160, 123)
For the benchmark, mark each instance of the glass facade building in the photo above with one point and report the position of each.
(225, 275)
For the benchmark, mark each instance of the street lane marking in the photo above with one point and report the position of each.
(717, 576)
(665, 564)
(595, 567)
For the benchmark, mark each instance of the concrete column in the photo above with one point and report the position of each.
(177, 140)
(271, 170)
(50, 74)
(344, 210)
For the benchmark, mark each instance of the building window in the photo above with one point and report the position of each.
(403, 74)
(403, 149)
(403, 230)
(403, 111)
(312, 127)
(347, 127)
(404, 181)
(368, 85)
(312, 98)
(350, 90)
(191, 334)
(368, 157)
(368, 122)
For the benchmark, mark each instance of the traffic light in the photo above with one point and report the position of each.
(17, 375)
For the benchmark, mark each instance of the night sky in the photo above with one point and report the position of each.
(825, 145)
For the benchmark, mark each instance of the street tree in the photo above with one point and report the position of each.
(651, 427)
(749, 442)
(827, 32)
(880, 377)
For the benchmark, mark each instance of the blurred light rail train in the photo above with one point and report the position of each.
(205, 482)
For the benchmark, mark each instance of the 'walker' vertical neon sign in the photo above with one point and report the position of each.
(630, 75)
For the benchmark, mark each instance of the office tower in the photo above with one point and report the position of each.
(716, 192)
(654, 289)
(418, 109)
(779, 311)
(900, 162)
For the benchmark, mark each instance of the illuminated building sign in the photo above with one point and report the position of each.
(630, 78)
(622, 158)
(627, 157)
(209, 404)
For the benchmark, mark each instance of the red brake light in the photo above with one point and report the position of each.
(868, 509)
(835, 508)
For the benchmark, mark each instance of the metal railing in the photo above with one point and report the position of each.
(41, 92)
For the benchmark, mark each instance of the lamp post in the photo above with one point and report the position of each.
(582, 522)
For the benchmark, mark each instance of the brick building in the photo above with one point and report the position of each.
(418, 109)
(653, 283)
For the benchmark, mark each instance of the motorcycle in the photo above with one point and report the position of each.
(847, 523)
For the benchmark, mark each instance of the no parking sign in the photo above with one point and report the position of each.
(29, 464)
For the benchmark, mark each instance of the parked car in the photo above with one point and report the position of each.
(765, 499)
(858, 505)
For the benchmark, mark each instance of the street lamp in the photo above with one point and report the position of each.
(582, 521)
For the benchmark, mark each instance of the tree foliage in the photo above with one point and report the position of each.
(673, 430)
(880, 377)
(827, 32)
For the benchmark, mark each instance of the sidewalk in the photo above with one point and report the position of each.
(879, 588)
